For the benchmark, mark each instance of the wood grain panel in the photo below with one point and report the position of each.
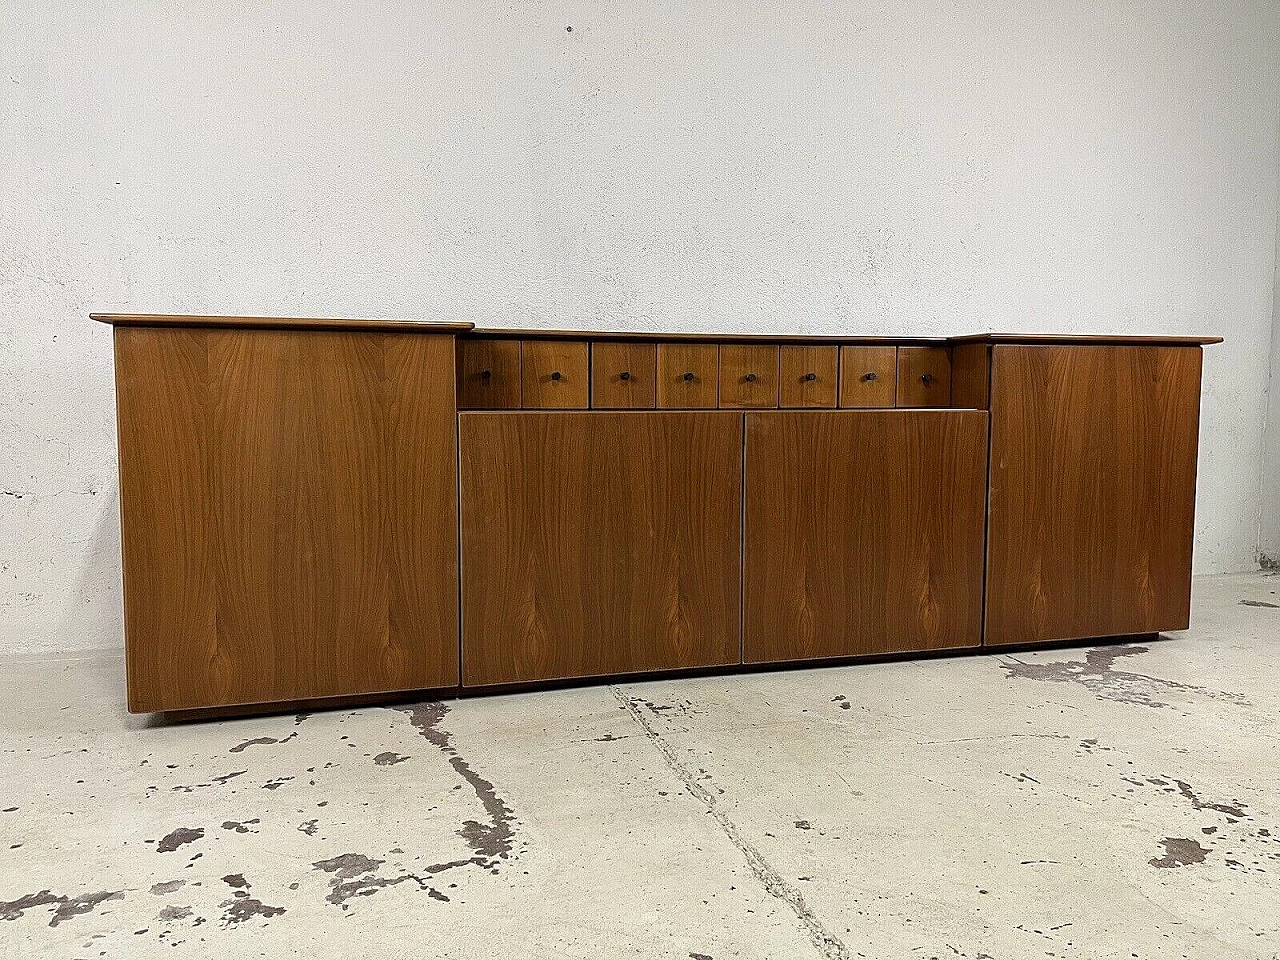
(554, 375)
(971, 375)
(599, 543)
(748, 375)
(688, 375)
(808, 376)
(1093, 473)
(623, 375)
(489, 374)
(305, 542)
(863, 532)
(924, 377)
(868, 376)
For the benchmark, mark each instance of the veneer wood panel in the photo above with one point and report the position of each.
(288, 506)
(863, 532)
(748, 375)
(623, 375)
(808, 376)
(1093, 466)
(599, 543)
(688, 375)
(868, 376)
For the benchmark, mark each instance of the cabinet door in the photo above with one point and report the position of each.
(289, 514)
(863, 532)
(599, 543)
(1093, 477)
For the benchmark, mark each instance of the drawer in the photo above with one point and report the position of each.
(553, 375)
(748, 375)
(807, 376)
(924, 377)
(622, 375)
(489, 374)
(688, 374)
(868, 376)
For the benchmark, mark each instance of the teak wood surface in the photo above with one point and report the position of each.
(924, 377)
(599, 543)
(623, 375)
(688, 375)
(489, 374)
(868, 376)
(554, 375)
(863, 532)
(809, 376)
(748, 375)
(1093, 483)
(289, 505)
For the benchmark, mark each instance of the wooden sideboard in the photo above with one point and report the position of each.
(316, 509)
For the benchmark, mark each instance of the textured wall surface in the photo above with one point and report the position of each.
(1269, 513)
(891, 167)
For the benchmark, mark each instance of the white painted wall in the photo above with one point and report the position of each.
(924, 167)
(1269, 518)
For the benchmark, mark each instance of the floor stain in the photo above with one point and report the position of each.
(66, 907)
(172, 912)
(257, 741)
(166, 886)
(1259, 603)
(1235, 809)
(492, 841)
(389, 759)
(1179, 852)
(239, 826)
(1098, 675)
(239, 910)
(353, 875)
(179, 837)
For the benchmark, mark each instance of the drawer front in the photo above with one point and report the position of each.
(808, 376)
(868, 376)
(748, 375)
(924, 377)
(553, 375)
(489, 374)
(688, 374)
(622, 375)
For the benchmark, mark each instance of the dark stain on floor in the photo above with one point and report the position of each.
(67, 907)
(239, 910)
(178, 837)
(256, 741)
(235, 880)
(1097, 674)
(166, 886)
(388, 759)
(173, 912)
(354, 875)
(492, 841)
(1179, 852)
(308, 827)
(239, 826)
(1259, 603)
(1235, 809)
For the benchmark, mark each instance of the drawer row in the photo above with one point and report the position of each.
(619, 375)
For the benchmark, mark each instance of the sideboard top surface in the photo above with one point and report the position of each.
(470, 330)
(276, 323)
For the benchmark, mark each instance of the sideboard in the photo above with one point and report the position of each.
(315, 509)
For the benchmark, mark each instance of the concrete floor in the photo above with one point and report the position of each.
(1111, 802)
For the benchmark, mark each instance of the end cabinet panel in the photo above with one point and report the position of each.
(1093, 474)
(599, 543)
(289, 514)
(863, 532)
